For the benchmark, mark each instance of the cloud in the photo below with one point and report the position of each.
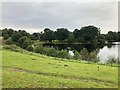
(38, 15)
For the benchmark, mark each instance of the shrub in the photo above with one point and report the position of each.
(24, 42)
(93, 56)
(29, 48)
(84, 54)
(39, 49)
(62, 54)
(76, 55)
(51, 52)
(6, 36)
(111, 60)
(13, 48)
(8, 41)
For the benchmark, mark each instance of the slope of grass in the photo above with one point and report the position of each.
(25, 70)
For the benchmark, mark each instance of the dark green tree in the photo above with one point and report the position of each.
(35, 36)
(89, 33)
(5, 36)
(48, 35)
(62, 34)
(71, 37)
(24, 42)
(16, 36)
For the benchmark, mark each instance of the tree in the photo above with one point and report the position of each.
(4, 31)
(48, 35)
(112, 36)
(71, 37)
(5, 36)
(76, 33)
(62, 34)
(35, 36)
(24, 42)
(89, 33)
(16, 36)
(101, 38)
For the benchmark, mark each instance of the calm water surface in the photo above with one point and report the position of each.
(108, 52)
(104, 51)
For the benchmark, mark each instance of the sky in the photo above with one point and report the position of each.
(35, 16)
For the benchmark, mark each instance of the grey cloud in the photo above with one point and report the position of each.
(59, 14)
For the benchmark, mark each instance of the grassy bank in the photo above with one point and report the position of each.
(36, 71)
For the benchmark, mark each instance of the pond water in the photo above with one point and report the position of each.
(104, 52)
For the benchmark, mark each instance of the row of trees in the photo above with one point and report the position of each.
(87, 34)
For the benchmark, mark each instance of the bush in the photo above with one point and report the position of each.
(51, 52)
(39, 49)
(112, 60)
(6, 36)
(93, 56)
(8, 41)
(13, 48)
(76, 55)
(62, 54)
(84, 54)
(24, 42)
(29, 48)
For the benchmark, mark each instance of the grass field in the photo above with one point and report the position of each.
(21, 70)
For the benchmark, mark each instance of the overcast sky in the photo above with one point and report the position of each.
(35, 16)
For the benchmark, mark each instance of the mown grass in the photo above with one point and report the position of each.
(22, 70)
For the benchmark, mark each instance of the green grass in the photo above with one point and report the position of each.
(21, 70)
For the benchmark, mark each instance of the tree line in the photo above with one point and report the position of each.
(87, 34)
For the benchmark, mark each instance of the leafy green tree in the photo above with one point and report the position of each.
(101, 38)
(16, 36)
(24, 42)
(62, 34)
(48, 35)
(76, 33)
(4, 31)
(5, 36)
(71, 37)
(112, 36)
(35, 36)
(89, 33)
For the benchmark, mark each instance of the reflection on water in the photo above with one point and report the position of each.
(104, 51)
(107, 52)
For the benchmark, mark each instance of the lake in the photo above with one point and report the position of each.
(104, 52)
